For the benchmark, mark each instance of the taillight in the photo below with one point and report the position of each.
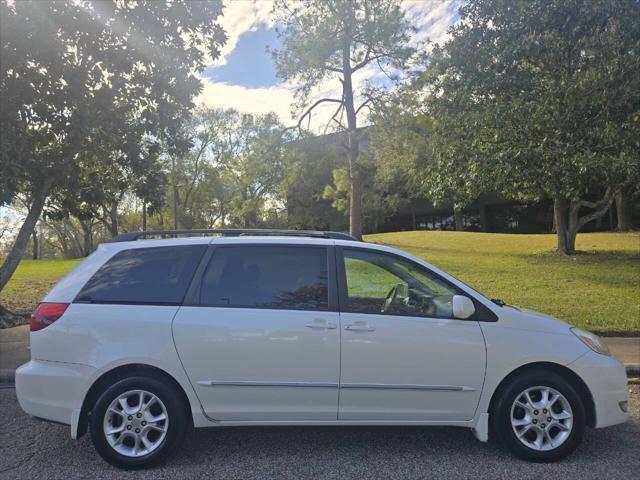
(45, 314)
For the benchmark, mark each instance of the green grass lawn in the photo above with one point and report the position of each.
(32, 279)
(598, 289)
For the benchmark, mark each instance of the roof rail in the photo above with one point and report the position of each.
(232, 232)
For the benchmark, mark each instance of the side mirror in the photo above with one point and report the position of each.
(463, 307)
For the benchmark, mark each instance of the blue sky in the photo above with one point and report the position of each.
(244, 76)
(249, 64)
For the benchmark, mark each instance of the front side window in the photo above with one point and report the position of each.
(381, 283)
(156, 275)
(279, 277)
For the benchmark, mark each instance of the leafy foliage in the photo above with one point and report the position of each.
(84, 82)
(340, 39)
(531, 99)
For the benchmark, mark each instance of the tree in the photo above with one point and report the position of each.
(76, 75)
(232, 171)
(341, 39)
(421, 156)
(543, 99)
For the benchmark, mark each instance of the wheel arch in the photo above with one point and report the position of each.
(569, 375)
(119, 373)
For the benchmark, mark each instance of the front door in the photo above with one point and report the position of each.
(404, 357)
(263, 341)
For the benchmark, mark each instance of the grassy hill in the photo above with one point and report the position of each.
(598, 289)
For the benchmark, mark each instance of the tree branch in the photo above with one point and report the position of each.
(600, 208)
(310, 109)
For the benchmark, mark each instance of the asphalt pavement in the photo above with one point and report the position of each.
(31, 449)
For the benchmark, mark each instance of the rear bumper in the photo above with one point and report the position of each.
(52, 390)
(606, 378)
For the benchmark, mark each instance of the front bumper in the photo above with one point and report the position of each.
(606, 379)
(52, 390)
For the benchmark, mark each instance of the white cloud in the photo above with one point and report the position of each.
(275, 99)
(432, 17)
(242, 16)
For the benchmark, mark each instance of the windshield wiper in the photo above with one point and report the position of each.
(498, 302)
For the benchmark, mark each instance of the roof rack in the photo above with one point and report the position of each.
(232, 232)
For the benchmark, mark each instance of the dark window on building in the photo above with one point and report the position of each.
(157, 275)
(282, 277)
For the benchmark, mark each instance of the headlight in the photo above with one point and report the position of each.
(592, 341)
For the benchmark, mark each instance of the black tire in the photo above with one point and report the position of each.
(501, 415)
(178, 421)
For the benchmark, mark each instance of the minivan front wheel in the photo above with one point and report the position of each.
(539, 416)
(136, 422)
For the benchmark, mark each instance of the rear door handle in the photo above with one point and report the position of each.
(320, 324)
(360, 327)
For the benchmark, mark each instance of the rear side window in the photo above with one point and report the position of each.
(158, 275)
(267, 277)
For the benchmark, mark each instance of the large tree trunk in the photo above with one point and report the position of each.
(566, 242)
(355, 176)
(568, 221)
(623, 210)
(113, 216)
(144, 216)
(355, 204)
(87, 237)
(484, 219)
(174, 188)
(20, 245)
(458, 220)
(36, 245)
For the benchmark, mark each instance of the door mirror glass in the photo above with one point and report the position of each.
(463, 307)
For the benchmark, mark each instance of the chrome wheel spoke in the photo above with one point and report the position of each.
(530, 402)
(148, 445)
(151, 401)
(159, 428)
(544, 400)
(561, 426)
(156, 419)
(114, 430)
(548, 438)
(539, 438)
(521, 422)
(524, 431)
(126, 409)
(564, 415)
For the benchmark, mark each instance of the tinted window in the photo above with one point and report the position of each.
(379, 283)
(267, 277)
(158, 275)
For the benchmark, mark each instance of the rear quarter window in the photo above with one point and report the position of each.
(154, 275)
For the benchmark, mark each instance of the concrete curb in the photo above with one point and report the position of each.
(633, 370)
(7, 376)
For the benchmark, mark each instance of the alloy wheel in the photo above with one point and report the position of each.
(541, 418)
(136, 422)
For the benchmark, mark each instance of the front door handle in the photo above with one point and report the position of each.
(320, 324)
(360, 327)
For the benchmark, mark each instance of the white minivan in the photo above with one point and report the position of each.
(148, 337)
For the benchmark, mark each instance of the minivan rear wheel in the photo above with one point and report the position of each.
(136, 422)
(539, 416)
